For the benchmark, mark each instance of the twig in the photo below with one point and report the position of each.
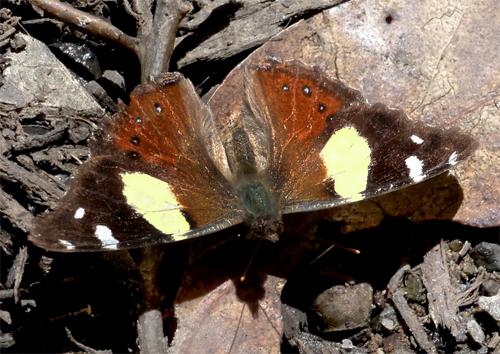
(396, 280)
(397, 296)
(156, 54)
(88, 350)
(470, 295)
(86, 22)
(150, 332)
(150, 322)
(18, 267)
(155, 40)
(7, 34)
(130, 11)
(59, 24)
(413, 322)
(144, 17)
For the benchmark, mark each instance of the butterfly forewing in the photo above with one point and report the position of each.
(343, 148)
(151, 179)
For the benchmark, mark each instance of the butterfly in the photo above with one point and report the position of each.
(166, 169)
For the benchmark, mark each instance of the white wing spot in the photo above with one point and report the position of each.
(104, 234)
(453, 158)
(415, 166)
(79, 213)
(416, 139)
(67, 244)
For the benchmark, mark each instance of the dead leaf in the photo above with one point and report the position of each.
(438, 63)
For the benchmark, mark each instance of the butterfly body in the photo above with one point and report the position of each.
(167, 169)
(262, 211)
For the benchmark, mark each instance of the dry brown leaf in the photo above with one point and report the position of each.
(437, 62)
(220, 322)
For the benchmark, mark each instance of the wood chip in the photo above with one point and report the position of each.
(413, 322)
(16, 272)
(39, 189)
(442, 296)
(253, 22)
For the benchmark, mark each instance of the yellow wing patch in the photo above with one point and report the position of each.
(347, 159)
(154, 200)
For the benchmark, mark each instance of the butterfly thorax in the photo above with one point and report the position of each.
(262, 213)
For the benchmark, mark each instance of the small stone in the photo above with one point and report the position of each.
(5, 316)
(6, 340)
(487, 255)
(347, 344)
(79, 132)
(114, 78)
(490, 287)
(295, 321)
(4, 145)
(468, 266)
(475, 331)
(45, 263)
(8, 134)
(379, 299)
(491, 305)
(414, 287)
(388, 319)
(388, 323)
(28, 302)
(495, 339)
(396, 343)
(344, 307)
(456, 245)
(18, 43)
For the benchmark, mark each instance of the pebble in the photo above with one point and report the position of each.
(475, 331)
(490, 304)
(344, 307)
(487, 255)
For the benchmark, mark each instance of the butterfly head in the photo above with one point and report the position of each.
(267, 227)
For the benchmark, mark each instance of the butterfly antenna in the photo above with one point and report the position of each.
(244, 276)
(237, 329)
(321, 255)
(351, 250)
(348, 249)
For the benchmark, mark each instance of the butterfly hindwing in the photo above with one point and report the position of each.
(343, 148)
(151, 179)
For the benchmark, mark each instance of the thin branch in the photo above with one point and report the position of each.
(86, 22)
(131, 11)
(157, 52)
(7, 34)
(155, 41)
(145, 17)
(150, 322)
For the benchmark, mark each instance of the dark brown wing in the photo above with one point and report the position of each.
(330, 147)
(151, 179)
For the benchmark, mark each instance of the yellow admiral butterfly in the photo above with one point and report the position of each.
(167, 170)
